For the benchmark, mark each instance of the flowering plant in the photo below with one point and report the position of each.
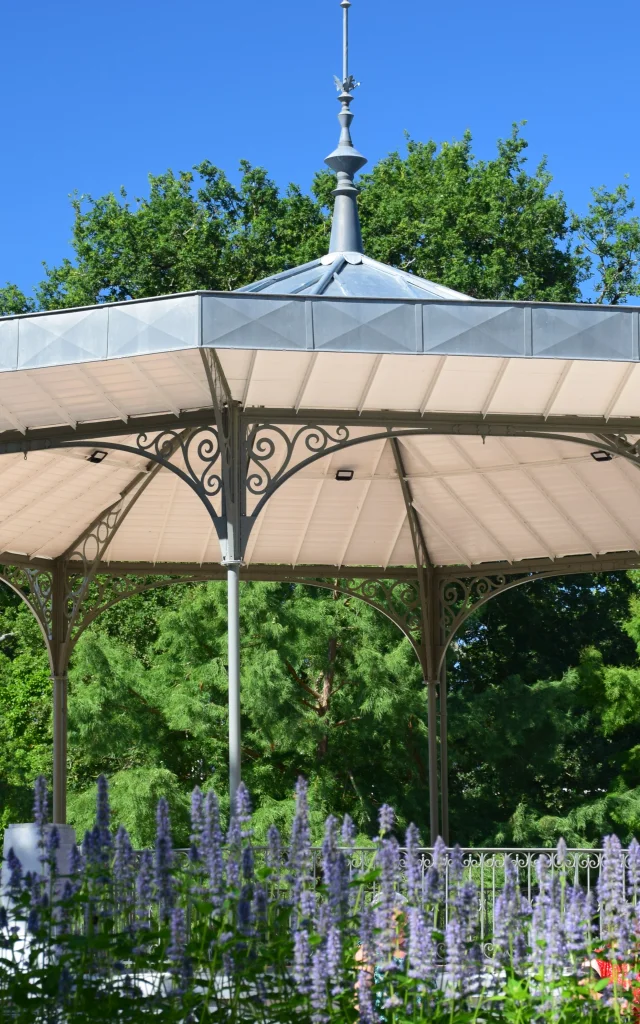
(235, 933)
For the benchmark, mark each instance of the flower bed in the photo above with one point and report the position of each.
(229, 936)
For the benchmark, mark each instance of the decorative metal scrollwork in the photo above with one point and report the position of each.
(398, 600)
(270, 453)
(460, 596)
(36, 586)
(200, 450)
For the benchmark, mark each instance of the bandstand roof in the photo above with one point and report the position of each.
(475, 372)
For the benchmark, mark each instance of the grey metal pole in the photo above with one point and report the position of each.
(432, 726)
(233, 627)
(60, 688)
(444, 755)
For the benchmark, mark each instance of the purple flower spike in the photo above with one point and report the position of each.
(319, 985)
(334, 960)
(15, 874)
(422, 947)
(40, 803)
(611, 888)
(144, 889)
(197, 824)
(348, 833)
(274, 850)
(301, 961)
(123, 867)
(577, 924)
(412, 843)
(165, 889)
(561, 853)
(243, 804)
(52, 845)
(212, 843)
(181, 967)
(299, 862)
(234, 853)
(509, 914)
(386, 819)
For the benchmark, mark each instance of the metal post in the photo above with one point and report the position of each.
(60, 687)
(233, 627)
(432, 726)
(444, 755)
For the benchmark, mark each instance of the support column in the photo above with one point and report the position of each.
(432, 727)
(233, 628)
(60, 688)
(444, 755)
(59, 655)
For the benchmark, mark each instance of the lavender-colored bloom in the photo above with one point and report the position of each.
(422, 950)
(319, 985)
(561, 852)
(334, 871)
(260, 907)
(165, 888)
(307, 906)
(212, 844)
(348, 833)
(301, 961)
(177, 951)
(509, 912)
(144, 889)
(434, 889)
(386, 819)
(234, 853)
(462, 952)
(577, 923)
(548, 939)
(412, 843)
(611, 889)
(387, 861)
(245, 911)
(633, 869)
(248, 863)
(300, 849)
(15, 874)
(123, 868)
(197, 824)
(274, 850)
(334, 960)
(243, 805)
(40, 803)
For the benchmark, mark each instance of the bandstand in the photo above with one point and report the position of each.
(343, 424)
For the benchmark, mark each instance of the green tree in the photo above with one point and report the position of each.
(609, 237)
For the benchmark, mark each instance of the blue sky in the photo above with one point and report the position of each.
(96, 96)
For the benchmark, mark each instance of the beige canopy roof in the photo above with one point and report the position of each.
(479, 498)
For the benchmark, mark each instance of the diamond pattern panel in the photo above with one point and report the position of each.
(69, 337)
(583, 333)
(244, 322)
(365, 326)
(9, 344)
(143, 327)
(463, 329)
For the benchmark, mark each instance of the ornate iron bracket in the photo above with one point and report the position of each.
(461, 596)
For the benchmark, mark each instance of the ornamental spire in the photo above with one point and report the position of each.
(346, 235)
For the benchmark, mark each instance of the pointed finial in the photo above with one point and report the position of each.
(346, 235)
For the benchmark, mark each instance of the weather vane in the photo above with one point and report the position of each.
(348, 82)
